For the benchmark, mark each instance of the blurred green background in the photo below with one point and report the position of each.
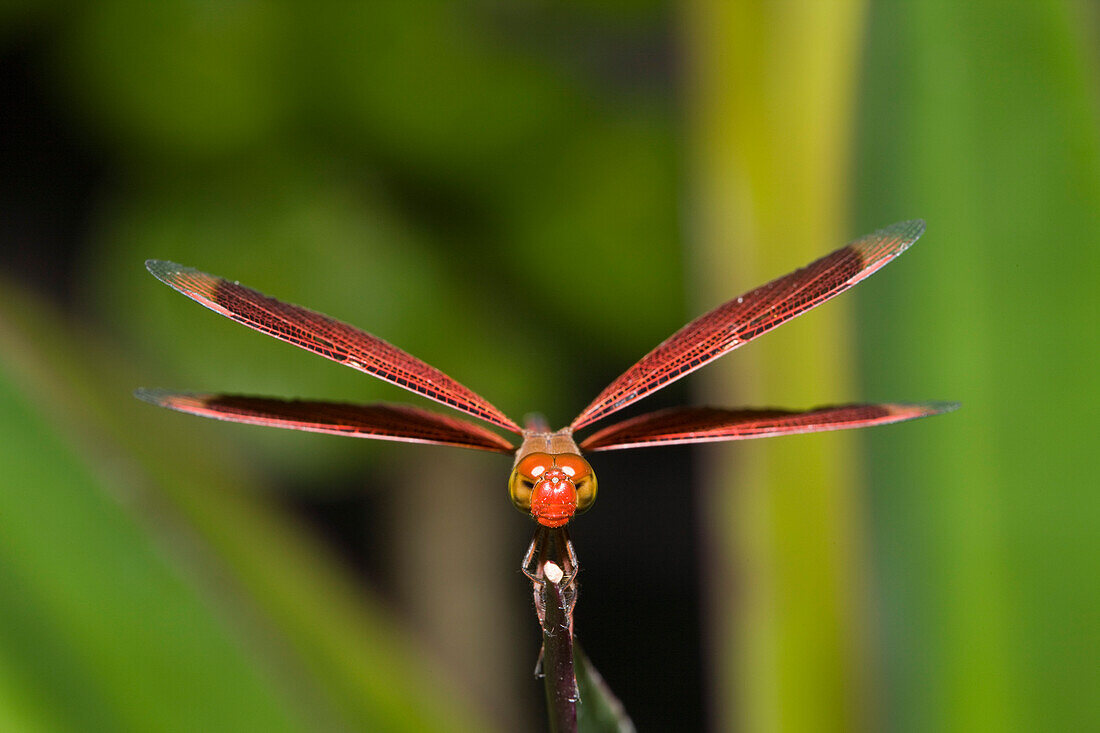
(529, 196)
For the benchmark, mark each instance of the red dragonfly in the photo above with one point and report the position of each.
(550, 480)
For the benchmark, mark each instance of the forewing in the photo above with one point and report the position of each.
(382, 421)
(742, 319)
(707, 424)
(328, 337)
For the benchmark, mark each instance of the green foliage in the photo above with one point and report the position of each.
(984, 121)
(598, 710)
(146, 588)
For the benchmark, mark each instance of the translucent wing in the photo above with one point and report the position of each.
(754, 313)
(328, 337)
(707, 424)
(385, 422)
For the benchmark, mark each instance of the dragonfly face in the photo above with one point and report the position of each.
(552, 487)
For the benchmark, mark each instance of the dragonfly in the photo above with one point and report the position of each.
(551, 480)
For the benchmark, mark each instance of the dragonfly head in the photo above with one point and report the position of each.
(552, 487)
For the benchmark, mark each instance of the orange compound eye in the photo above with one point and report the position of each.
(534, 465)
(524, 477)
(582, 476)
(573, 465)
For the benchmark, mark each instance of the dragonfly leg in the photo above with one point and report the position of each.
(532, 561)
(552, 546)
(570, 568)
(538, 555)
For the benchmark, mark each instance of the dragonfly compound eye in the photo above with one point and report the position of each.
(582, 476)
(524, 477)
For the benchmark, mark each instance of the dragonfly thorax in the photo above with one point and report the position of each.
(552, 487)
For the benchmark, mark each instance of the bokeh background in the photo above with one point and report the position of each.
(530, 196)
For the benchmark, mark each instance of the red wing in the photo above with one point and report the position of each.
(326, 336)
(707, 424)
(743, 319)
(385, 422)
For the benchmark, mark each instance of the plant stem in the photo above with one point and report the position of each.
(557, 654)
